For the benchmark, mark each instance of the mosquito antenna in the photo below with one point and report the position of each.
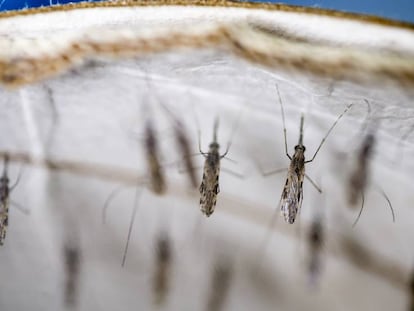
(6, 164)
(329, 131)
(284, 123)
(302, 120)
(215, 130)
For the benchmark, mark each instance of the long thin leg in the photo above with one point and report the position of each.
(389, 202)
(109, 200)
(131, 224)
(229, 159)
(20, 208)
(273, 172)
(268, 235)
(283, 120)
(360, 211)
(17, 180)
(329, 131)
(314, 184)
(226, 152)
(268, 173)
(232, 173)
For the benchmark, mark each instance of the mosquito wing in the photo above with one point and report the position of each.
(209, 189)
(292, 196)
(4, 219)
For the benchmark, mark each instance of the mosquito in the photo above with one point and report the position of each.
(220, 285)
(163, 267)
(292, 195)
(158, 184)
(358, 180)
(183, 144)
(72, 261)
(359, 177)
(411, 289)
(209, 188)
(5, 191)
(315, 241)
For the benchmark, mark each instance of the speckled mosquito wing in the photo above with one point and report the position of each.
(4, 219)
(216, 57)
(292, 195)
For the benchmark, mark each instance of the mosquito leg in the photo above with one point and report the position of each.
(131, 224)
(388, 201)
(17, 180)
(360, 211)
(20, 208)
(109, 200)
(313, 183)
(241, 176)
(329, 131)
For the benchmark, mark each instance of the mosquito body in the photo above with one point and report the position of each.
(72, 261)
(315, 241)
(359, 176)
(209, 187)
(5, 191)
(183, 143)
(4, 203)
(158, 184)
(163, 267)
(220, 286)
(292, 195)
(358, 180)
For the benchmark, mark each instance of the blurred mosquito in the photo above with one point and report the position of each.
(411, 290)
(292, 194)
(163, 268)
(183, 143)
(220, 285)
(210, 188)
(315, 241)
(358, 180)
(157, 178)
(359, 177)
(5, 191)
(72, 259)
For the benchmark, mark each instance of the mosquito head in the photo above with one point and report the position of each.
(368, 146)
(213, 146)
(163, 249)
(300, 147)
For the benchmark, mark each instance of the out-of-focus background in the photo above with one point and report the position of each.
(92, 81)
(402, 10)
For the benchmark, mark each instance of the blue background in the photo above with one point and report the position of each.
(402, 10)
